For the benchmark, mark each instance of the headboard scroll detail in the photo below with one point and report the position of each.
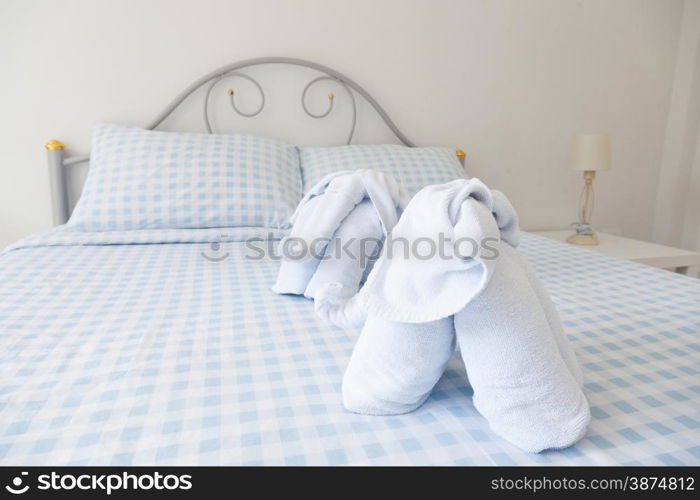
(235, 70)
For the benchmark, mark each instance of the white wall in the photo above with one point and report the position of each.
(677, 217)
(509, 81)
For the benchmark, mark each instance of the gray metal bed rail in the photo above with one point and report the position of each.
(59, 162)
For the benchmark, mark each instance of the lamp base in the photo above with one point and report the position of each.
(582, 239)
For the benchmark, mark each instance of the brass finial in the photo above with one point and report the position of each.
(230, 91)
(331, 96)
(460, 154)
(54, 144)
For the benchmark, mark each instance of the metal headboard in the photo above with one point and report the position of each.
(59, 163)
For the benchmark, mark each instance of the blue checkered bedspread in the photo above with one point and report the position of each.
(157, 347)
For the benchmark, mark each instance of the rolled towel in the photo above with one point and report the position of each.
(555, 326)
(521, 384)
(321, 213)
(455, 221)
(349, 253)
(408, 336)
(296, 268)
(394, 366)
(340, 273)
(339, 307)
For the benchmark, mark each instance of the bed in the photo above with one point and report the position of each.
(159, 347)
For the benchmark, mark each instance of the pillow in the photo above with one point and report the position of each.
(414, 168)
(140, 179)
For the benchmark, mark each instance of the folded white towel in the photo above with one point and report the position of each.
(555, 326)
(394, 366)
(396, 363)
(294, 274)
(339, 307)
(456, 220)
(518, 360)
(412, 289)
(521, 383)
(340, 192)
(348, 254)
(322, 212)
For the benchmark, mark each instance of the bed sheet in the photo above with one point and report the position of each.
(162, 348)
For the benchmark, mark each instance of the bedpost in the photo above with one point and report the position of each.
(57, 180)
(461, 155)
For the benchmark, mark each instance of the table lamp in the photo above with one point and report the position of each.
(590, 153)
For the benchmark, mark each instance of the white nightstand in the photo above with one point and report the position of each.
(651, 254)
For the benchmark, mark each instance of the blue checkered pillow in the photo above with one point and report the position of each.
(414, 168)
(141, 179)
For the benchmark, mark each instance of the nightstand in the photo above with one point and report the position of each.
(651, 254)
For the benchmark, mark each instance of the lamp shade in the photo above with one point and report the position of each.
(591, 152)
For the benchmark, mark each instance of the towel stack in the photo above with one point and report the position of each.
(473, 288)
(338, 230)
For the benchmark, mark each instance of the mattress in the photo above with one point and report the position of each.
(168, 348)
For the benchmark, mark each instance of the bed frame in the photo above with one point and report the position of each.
(60, 165)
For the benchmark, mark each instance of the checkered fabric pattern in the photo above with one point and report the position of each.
(142, 179)
(123, 354)
(414, 168)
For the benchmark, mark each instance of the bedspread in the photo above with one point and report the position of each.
(168, 347)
